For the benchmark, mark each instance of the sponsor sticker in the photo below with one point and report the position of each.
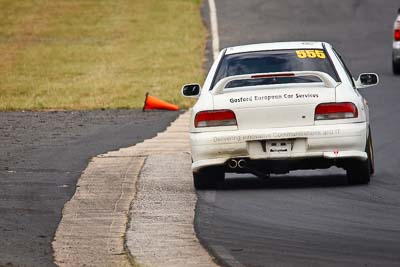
(269, 98)
(275, 135)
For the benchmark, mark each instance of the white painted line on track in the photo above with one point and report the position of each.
(214, 28)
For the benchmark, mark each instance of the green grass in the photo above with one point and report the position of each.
(91, 54)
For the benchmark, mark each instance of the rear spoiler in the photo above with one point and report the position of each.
(328, 81)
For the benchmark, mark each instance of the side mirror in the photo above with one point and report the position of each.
(367, 80)
(191, 90)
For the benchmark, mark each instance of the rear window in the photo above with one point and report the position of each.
(274, 61)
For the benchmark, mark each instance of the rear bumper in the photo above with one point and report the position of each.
(343, 141)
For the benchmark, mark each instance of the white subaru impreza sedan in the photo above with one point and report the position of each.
(275, 107)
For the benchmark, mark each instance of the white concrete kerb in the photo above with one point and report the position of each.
(93, 230)
(161, 231)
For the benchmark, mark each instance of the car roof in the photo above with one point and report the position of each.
(273, 46)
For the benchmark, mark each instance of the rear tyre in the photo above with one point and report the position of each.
(370, 152)
(396, 67)
(208, 178)
(360, 171)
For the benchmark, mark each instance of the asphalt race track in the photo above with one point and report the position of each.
(42, 154)
(314, 218)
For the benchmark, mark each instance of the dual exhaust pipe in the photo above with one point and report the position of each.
(234, 163)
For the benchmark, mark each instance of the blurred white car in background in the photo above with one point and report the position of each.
(277, 107)
(396, 44)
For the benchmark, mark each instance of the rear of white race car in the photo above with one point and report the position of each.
(277, 128)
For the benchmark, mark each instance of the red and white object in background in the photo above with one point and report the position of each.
(396, 45)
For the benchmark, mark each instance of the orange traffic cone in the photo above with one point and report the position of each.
(152, 102)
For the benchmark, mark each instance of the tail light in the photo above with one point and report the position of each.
(333, 111)
(214, 118)
(397, 35)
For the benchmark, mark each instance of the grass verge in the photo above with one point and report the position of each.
(98, 54)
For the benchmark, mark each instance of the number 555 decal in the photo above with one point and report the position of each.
(310, 54)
